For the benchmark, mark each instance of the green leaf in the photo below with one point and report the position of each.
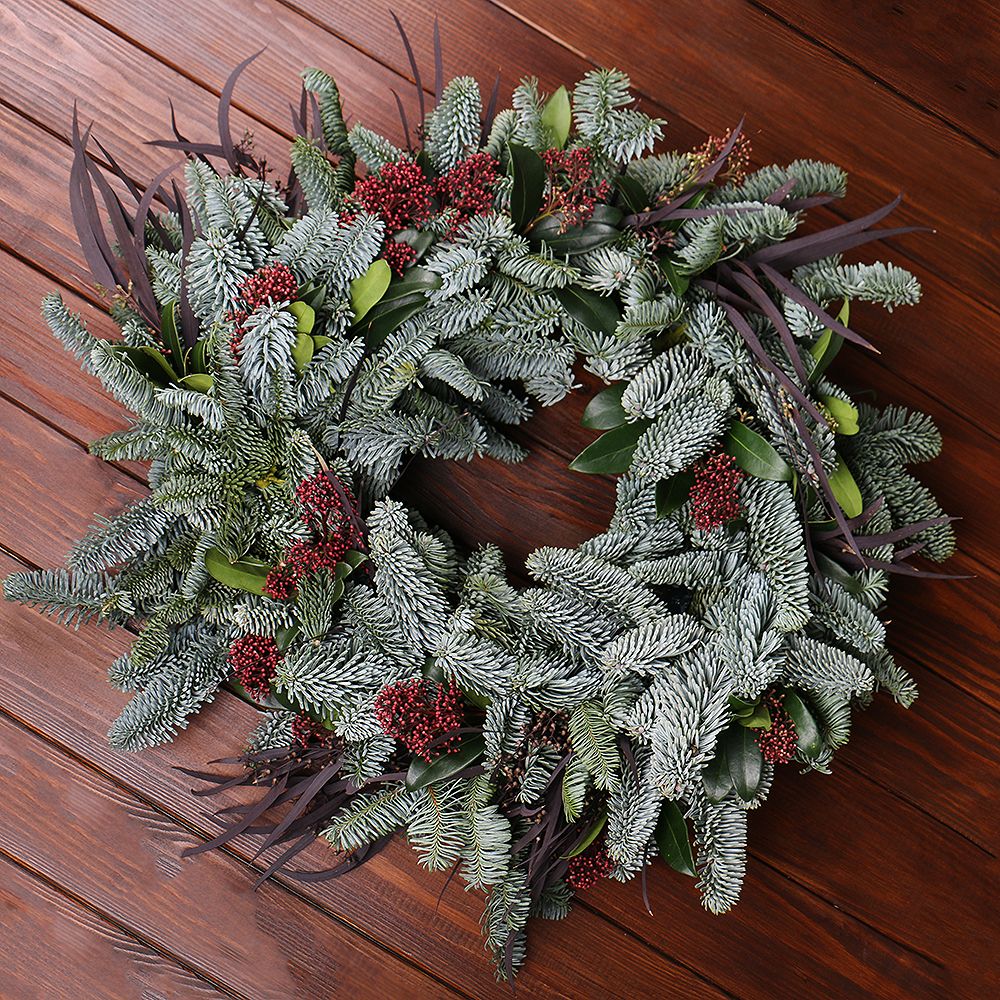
(244, 574)
(679, 283)
(845, 490)
(828, 346)
(528, 172)
(845, 414)
(744, 761)
(596, 312)
(198, 381)
(741, 706)
(672, 493)
(754, 455)
(716, 777)
(632, 192)
(404, 297)
(422, 774)
(420, 240)
(557, 116)
(196, 359)
(312, 294)
(611, 453)
(319, 342)
(672, 839)
(807, 733)
(305, 316)
(759, 718)
(149, 362)
(589, 839)
(302, 350)
(605, 411)
(369, 288)
(602, 228)
(171, 338)
(284, 637)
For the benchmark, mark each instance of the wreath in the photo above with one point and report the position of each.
(286, 347)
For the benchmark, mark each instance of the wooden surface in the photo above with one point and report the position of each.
(879, 880)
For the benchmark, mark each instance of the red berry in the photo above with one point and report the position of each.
(715, 496)
(779, 743)
(254, 661)
(586, 869)
(406, 712)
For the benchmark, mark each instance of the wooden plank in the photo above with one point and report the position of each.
(122, 90)
(802, 100)
(910, 339)
(85, 955)
(947, 64)
(727, 950)
(99, 842)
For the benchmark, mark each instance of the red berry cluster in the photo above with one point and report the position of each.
(328, 508)
(254, 661)
(407, 712)
(715, 496)
(777, 744)
(467, 189)
(737, 162)
(400, 193)
(398, 256)
(588, 868)
(572, 193)
(306, 731)
(272, 283)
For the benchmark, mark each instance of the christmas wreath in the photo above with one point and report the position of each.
(286, 347)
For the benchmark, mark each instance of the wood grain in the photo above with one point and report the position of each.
(86, 954)
(78, 723)
(863, 883)
(78, 829)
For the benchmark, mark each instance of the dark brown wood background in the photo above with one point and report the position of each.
(879, 880)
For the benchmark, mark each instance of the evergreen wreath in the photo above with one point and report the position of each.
(286, 347)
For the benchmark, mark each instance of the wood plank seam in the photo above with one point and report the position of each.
(767, 11)
(107, 918)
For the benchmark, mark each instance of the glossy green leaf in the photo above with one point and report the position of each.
(754, 455)
(828, 346)
(312, 294)
(743, 760)
(672, 839)
(595, 312)
(305, 316)
(421, 774)
(528, 173)
(244, 574)
(174, 349)
(197, 358)
(673, 493)
(284, 637)
(369, 288)
(679, 283)
(605, 411)
(149, 362)
(302, 350)
(845, 490)
(557, 116)
(420, 239)
(319, 342)
(716, 777)
(198, 381)
(844, 413)
(603, 227)
(404, 297)
(807, 731)
(611, 453)
(589, 839)
(633, 193)
(759, 718)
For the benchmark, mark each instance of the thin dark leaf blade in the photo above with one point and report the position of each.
(528, 174)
